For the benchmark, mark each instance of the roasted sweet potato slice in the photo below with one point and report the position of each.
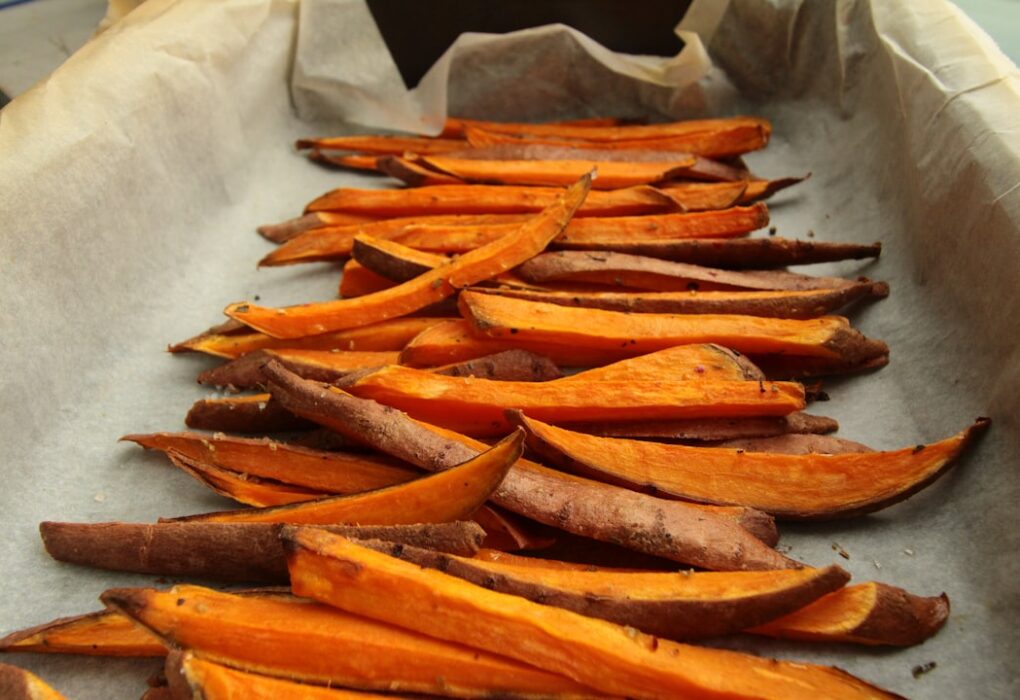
(730, 253)
(103, 633)
(383, 145)
(193, 677)
(359, 281)
(254, 413)
(805, 304)
(509, 365)
(429, 288)
(231, 552)
(415, 174)
(356, 161)
(675, 605)
(712, 429)
(868, 613)
(385, 336)
(704, 196)
(707, 538)
(795, 444)
(622, 335)
(19, 684)
(808, 486)
(320, 365)
(444, 497)
(287, 637)
(706, 362)
(610, 658)
(455, 127)
(285, 230)
(475, 406)
(488, 199)
(394, 261)
(243, 488)
(336, 242)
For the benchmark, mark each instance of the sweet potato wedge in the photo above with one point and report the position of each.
(355, 161)
(712, 429)
(622, 335)
(610, 658)
(801, 487)
(359, 281)
(637, 272)
(507, 531)
(509, 365)
(415, 174)
(299, 640)
(710, 539)
(450, 495)
(254, 413)
(868, 613)
(805, 304)
(429, 288)
(674, 605)
(320, 365)
(385, 336)
(243, 488)
(680, 363)
(103, 633)
(383, 145)
(795, 444)
(230, 552)
(394, 261)
(488, 199)
(455, 127)
(193, 677)
(336, 242)
(731, 253)
(285, 230)
(19, 684)
(474, 406)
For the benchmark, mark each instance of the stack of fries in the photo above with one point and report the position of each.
(384, 472)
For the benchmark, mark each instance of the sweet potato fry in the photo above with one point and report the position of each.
(488, 199)
(706, 362)
(509, 365)
(704, 196)
(713, 429)
(795, 444)
(384, 336)
(475, 406)
(359, 281)
(285, 230)
(622, 335)
(802, 487)
(254, 413)
(507, 531)
(608, 657)
(637, 272)
(383, 145)
(434, 286)
(730, 253)
(450, 495)
(455, 127)
(394, 261)
(336, 242)
(193, 677)
(415, 174)
(558, 173)
(868, 613)
(369, 163)
(249, 490)
(710, 539)
(231, 552)
(805, 304)
(674, 605)
(19, 684)
(486, 554)
(320, 365)
(287, 637)
(793, 367)
(103, 633)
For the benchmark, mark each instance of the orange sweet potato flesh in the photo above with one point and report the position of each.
(383, 145)
(336, 242)
(392, 260)
(810, 303)
(368, 163)
(299, 640)
(388, 335)
(450, 495)
(611, 175)
(455, 127)
(474, 406)
(285, 230)
(621, 334)
(607, 657)
(359, 281)
(19, 684)
(507, 531)
(249, 490)
(320, 365)
(438, 284)
(870, 613)
(194, 677)
(675, 605)
(104, 633)
(711, 539)
(415, 174)
(707, 362)
(704, 196)
(802, 487)
(487, 199)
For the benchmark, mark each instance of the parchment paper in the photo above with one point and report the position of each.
(132, 180)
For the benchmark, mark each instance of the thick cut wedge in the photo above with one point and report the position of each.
(713, 429)
(359, 281)
(232, 552)
(385, 336)
(608, 657)
(103, 633)
(808, 486)
(621, 335)
(475, 406)
(19, 684)
(868, 613)
(706, 362)
(431, 287)
(320, 365)
(287, 637)
(383, 145)
(285, 230)
(510, 365)
(252, 413)
(437, 498)
(705, 196)
(680, 605)
(711, 539)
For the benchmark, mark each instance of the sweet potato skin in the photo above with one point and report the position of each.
(255, 413)
(509, 365)
(18, 684)
(708, 430)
